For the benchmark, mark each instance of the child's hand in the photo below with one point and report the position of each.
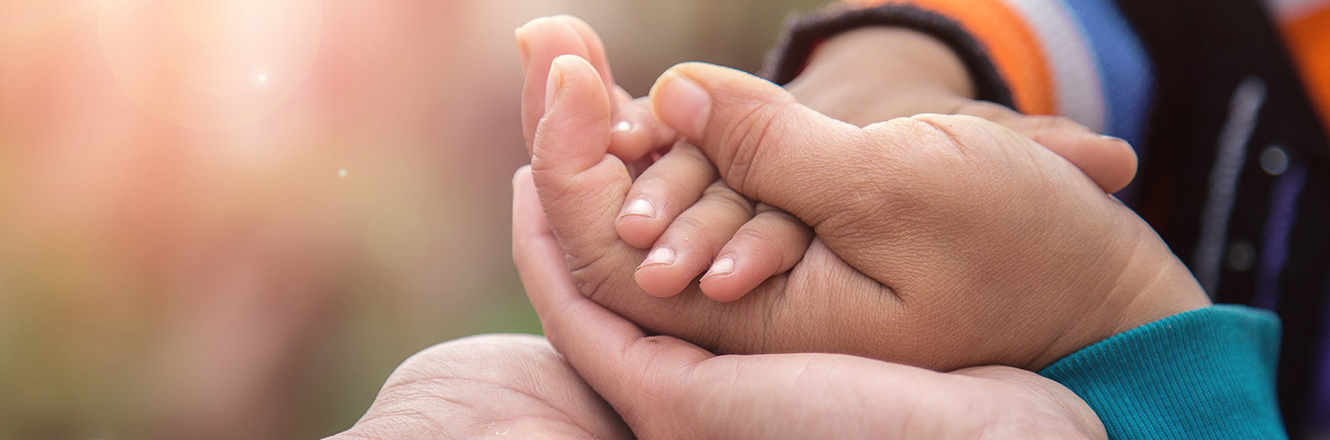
(738, 244)
(677, 205)
(942, 241)
(862, 76)
(635, 135)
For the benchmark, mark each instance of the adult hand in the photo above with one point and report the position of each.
(513, 386)
(942, 242)
(667, 388)
(861, 76)
(969, 225)
(517, 386)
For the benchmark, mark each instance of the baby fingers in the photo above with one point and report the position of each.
(691, 242)
(665, 189)
(770, 244)
(636, 132)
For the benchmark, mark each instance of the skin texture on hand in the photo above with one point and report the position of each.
(489, 386)
(966, 222)
(861, 76)
(518, 387)
(944, 290)
(874, 74)
(667, 388)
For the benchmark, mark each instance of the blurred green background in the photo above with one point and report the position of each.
(233, 218)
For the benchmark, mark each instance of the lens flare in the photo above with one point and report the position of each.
(193, 62)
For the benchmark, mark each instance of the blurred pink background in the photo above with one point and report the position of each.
(232, 218)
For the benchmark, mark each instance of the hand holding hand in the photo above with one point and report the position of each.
(932, 232)
(664, 387)
(967, 223)
(862, 76)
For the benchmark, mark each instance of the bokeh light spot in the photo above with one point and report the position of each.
(191, 62)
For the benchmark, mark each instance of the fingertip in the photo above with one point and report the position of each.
(638, 231)
(1110, 161)
(528, 216)
(522, 177)
(682, 103)
(637, 132)
(577, 24)
(595, 48)
(553, 83)
(573, 135)
(628, 141)
(722, 266)
(655, 283)
(523, 49)
(724, 281)
(622, 126)
(664, 273)
(523, 33)
(771, 243)
(1127, 164)
(732, 116)
(569, 68)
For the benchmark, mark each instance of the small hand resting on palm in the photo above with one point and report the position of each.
(940, 241)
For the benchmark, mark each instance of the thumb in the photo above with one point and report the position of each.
(581, 187)
(764, 144)
(542, 40)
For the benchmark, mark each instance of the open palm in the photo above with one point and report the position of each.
(513, 386)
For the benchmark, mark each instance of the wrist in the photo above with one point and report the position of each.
(1154, 285)
(878, 73)
(1165, 288)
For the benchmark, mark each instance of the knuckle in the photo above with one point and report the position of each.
(745, 139)
(685, 227)
(591, 276)
(932, 131)
(729, 201)
(654, 183)
(780, 217)
(757, 237)
(691, 153)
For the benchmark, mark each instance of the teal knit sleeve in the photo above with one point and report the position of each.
(1207, 373)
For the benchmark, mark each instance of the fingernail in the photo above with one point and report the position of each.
(722, 266)
(1111, 138)
(642, 207)
(622, 126)
(553, 85)
(660, 256)
(683, 104)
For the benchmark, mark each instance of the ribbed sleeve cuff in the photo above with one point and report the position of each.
(799, 39)
(1207, 373)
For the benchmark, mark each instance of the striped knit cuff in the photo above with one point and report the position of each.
(1079, 59)
(1207, 373)
(801, 36)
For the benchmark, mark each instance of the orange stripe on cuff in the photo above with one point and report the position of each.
(1011, 45)
(1308, 38)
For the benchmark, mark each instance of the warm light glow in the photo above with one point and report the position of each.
(193, 62)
